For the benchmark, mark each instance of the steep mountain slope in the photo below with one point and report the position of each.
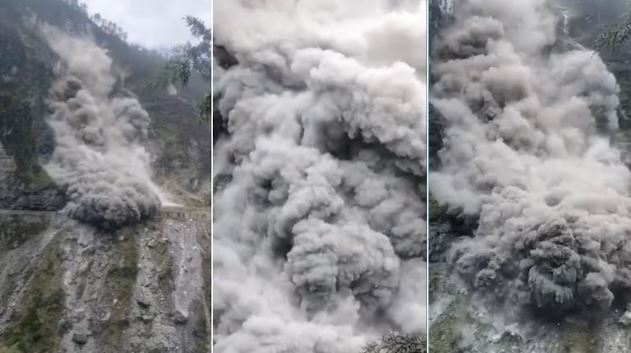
(70, 287)
(27, 68)
(65, 287)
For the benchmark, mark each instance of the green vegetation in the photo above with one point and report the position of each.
(35, 178)
(615, 37)
(175, 127)
(189, 58)
(74, 16)
(446, 330)
(17, 230)
(36, 328)
(204, 342)
(578, 338)
(166, 275)
(174, 145)
(28, 73)
(207, 273)
(120, 284)
(19, 111)
(201, 331)
(437, 213)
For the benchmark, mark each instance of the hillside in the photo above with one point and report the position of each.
(86, 265)
(179, 141)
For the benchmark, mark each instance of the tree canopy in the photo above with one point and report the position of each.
(614, 37)
(188, 58)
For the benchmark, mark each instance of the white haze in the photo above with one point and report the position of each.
(526, 149)
(98, 154)
(319, 235)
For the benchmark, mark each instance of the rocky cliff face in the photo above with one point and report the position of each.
(26, 70)
(65, 287)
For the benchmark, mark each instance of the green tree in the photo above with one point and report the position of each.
(188, 58)
(614, 37)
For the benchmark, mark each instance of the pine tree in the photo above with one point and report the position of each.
(613, 38)
(189, 58)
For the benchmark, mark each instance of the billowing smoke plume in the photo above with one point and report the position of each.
(319, 226)
(98, 155)
(526, 149)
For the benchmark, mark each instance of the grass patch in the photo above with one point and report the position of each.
(201, 334)
(207, 273)
(36, 328)
(206, 263)
(579, 338)
(166, 276)
(446, 330)
(203, 320)
(120, 285)
(437, 213)
(35, 178)
(17, 230)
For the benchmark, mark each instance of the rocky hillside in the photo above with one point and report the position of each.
(26, 71)
(69, 287)
(178, 140)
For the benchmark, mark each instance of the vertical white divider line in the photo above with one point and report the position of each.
(212, 170)
(427, 210)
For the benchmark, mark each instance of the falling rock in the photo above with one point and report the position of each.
(143, 301)
(143, 298)
(625, 319)
(180, 317)
(80, 338)
(146, 318)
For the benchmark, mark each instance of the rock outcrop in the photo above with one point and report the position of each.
(71, 288)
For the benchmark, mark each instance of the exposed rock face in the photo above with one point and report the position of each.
(180, 143)
(82, 291)
(26, 70)
(14, 194)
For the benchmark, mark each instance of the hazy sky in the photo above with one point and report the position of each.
(157, 24)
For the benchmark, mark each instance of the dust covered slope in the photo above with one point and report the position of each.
(531, 183)
(65, 287)
(178, 142)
